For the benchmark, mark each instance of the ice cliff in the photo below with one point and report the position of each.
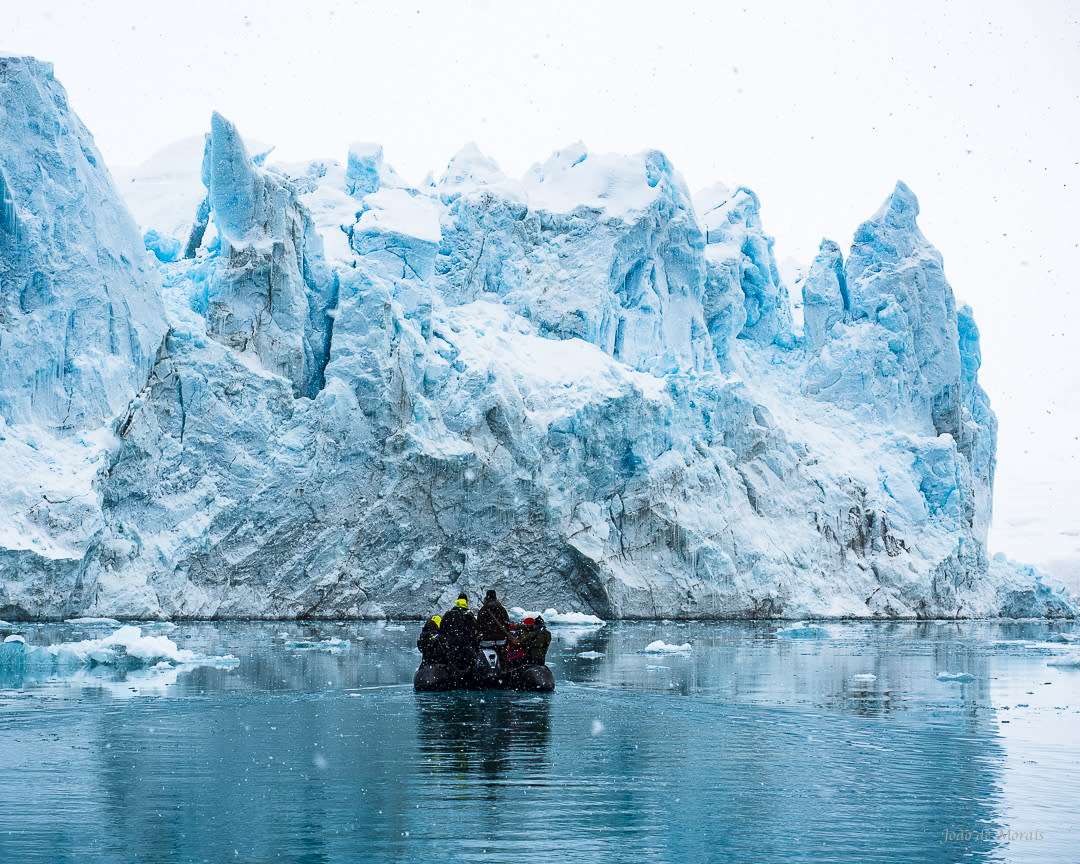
(331, 393)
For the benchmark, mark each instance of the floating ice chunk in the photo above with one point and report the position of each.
(864, 677)
(662, 647)
(553, 617)
(956, 677)
(1067, 638)
(112, 622)
(591, 655)
(15, 638)
(1071, 661)
(805, 630)
(126, 648)
(330, 646)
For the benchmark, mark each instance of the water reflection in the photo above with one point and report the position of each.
(494, 736)
(748, 746)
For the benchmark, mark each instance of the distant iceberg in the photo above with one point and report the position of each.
(662, 647)
(554, 618)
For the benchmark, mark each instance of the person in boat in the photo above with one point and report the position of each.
(493, 622)
(534, 641)
(430, 641)
(459, 634)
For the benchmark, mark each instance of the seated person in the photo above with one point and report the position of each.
(494, 623)
(534, 639)
(430, 642)
(493, 619)
(460, 636)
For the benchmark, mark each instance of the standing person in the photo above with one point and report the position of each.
(494, 623)
(460, 636)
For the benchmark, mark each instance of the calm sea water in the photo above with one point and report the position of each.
(746, 746)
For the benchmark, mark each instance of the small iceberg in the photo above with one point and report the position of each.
(568, 627)
(662, 647)
(866, 676)
(806, 630)
(955, 677)
(1066, 638)
(591, 655)
(555, 618)
(112, 622)
(1069, 661)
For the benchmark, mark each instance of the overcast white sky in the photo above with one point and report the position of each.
(819, 107)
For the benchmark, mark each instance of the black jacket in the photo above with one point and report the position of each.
(493, 621)
(430, 643)
(460, 636)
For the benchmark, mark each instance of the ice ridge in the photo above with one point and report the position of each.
(346, 396)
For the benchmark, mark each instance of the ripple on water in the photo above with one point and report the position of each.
(746, 747)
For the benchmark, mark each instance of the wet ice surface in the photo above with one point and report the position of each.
(931, 742)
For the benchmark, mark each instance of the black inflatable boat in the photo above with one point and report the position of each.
(486, 673)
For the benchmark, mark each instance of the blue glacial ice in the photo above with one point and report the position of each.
(956, 677)
(805, 630)
(320, 392)
(82, 315)
(125, 648)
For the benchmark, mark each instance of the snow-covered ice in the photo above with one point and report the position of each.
(313, 390)
(108, 621)
(554, 618)
(659, 646)
(127, 648)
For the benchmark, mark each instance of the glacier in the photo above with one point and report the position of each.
(313, 390)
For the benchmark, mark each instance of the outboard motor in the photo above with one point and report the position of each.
(490, 650)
